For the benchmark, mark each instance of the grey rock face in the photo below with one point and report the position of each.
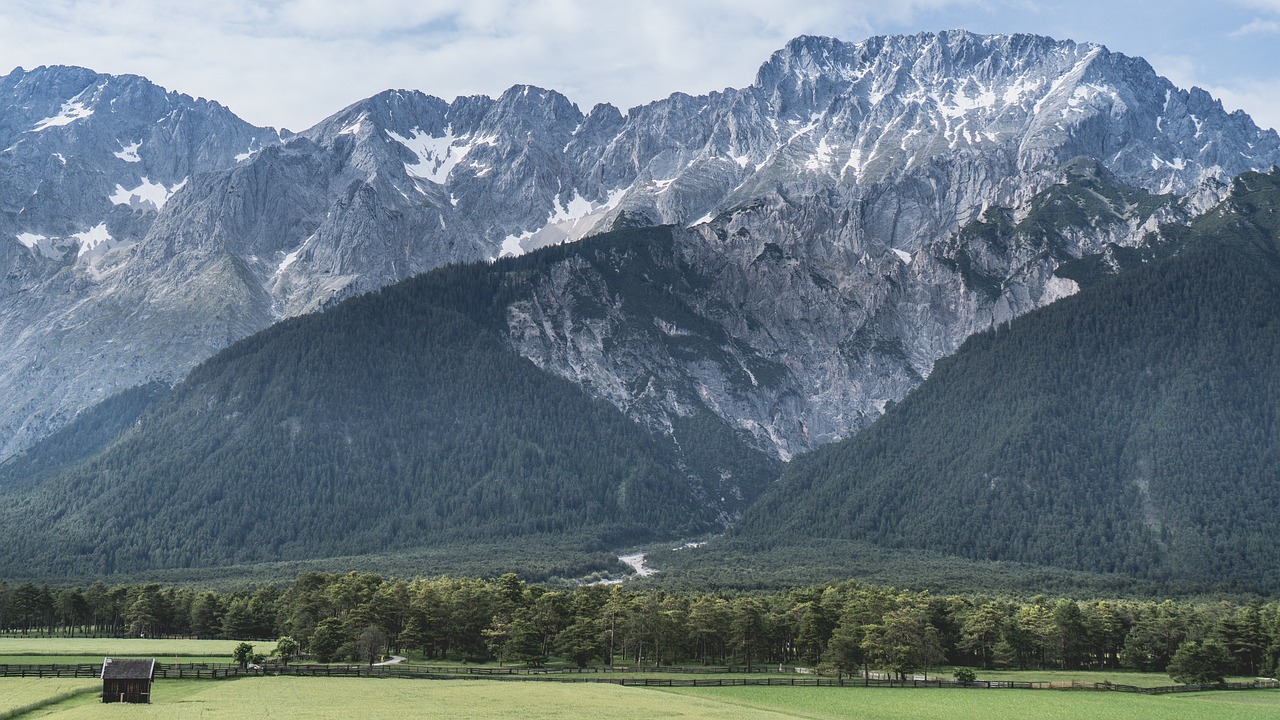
(89, 163)
(826, 202)
(802, 343)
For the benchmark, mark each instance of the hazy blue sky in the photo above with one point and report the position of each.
(291, 63)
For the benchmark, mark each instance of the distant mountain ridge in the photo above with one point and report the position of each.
(846, 169)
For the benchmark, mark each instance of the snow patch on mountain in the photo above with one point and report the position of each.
(821, 158)
(129, 153)
(30, 240)
(40, 245)
(566, 223)
(437, 155)
(92, 238)
(254, 147)
(354, 127)
(960, 103)
(147, 194)
(290, 258)
(72, 110)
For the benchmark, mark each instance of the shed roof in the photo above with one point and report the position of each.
(128, 669)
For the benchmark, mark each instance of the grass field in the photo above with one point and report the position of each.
(342, 699)
(17, 692)
(95, 659)
(909, 704)
(284, 697)
(41, 650)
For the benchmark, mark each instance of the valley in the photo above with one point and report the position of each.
(931, 353)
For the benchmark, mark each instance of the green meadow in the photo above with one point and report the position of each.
(18, 693)
(289, 697)
(344, 698)
(20, 650)
(933, 704)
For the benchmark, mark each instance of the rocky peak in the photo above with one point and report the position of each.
(533, 109)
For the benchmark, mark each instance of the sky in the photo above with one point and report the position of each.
(291, 63)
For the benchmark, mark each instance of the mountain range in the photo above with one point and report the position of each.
(816, 242)
(174, 229)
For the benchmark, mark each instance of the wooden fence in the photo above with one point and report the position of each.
(217, 671)
(51, 671)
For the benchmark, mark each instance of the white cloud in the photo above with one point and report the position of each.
(1259, 98)
(1257, 27)
(1181, 70)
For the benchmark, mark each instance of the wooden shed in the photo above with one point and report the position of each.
(127, 680)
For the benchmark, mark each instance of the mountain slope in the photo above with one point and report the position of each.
(87, 435)
(1128, 429)
(857, 161)
(394, 420)
(89, 163)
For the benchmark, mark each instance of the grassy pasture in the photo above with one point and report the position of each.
(75, 650)
(95, 659)
(933, 704)
(346, 698)
(18, 693)
(285, 697)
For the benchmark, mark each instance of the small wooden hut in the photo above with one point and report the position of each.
(127, 680)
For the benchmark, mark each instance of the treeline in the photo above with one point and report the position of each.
(146, 610)
(846, 627)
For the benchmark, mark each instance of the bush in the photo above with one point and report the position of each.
(1200, 663)
(243, 654)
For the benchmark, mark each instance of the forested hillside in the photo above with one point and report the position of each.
(398, 419)
(1129, 429)
(89, 433)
